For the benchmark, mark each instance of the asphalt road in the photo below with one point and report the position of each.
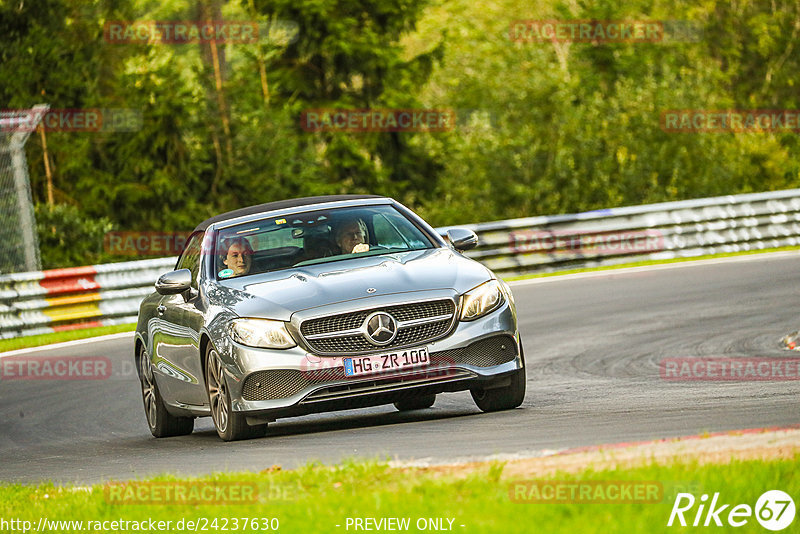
(593, 346)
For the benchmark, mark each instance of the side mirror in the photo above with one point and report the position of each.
(462, 238)
(174, 282)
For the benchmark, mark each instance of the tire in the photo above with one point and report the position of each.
(162, 423)
(418, 403)
(230, 425)
(503, 398)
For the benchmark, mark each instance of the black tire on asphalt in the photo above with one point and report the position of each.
(162, 424)
(503, 398)
(418, 403)
(233, 427)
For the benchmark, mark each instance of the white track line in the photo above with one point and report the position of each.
(658, 267)
(73, 343)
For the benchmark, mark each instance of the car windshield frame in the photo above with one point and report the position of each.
(317, 222)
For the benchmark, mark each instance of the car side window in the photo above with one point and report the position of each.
(190, 259)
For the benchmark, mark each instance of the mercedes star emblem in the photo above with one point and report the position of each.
(381, 328)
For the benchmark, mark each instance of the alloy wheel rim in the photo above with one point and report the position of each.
(217, 392)
(148, 390)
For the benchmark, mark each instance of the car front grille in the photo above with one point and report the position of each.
(284, 383)
(432, 320)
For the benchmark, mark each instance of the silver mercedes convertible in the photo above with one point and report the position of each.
(320, 304)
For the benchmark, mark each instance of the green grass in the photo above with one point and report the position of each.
(648, 262)
(57, 337)
(316, 498)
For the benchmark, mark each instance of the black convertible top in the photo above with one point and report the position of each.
(278, 205)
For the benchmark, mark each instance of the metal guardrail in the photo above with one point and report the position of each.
(638, 233)
(80, 297)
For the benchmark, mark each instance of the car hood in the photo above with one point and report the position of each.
(279, 294)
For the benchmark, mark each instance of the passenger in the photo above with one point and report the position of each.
(351, 236)
(239, 255)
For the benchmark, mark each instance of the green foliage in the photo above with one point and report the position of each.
(577, 124)
(543, 128)
(348, 55)
(69, 237)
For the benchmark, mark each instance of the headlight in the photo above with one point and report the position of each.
(261, 333)
(481, 300)
(506, 291)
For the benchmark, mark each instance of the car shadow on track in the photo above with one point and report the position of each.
(347, 421)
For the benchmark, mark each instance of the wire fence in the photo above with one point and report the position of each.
(19, 244)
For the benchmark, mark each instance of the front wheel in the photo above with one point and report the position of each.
(162, 423)
(503, 398)
(230, 425)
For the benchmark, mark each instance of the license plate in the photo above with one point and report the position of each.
(391, 361)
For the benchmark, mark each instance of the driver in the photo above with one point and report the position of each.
(351, 236)
(239, 256)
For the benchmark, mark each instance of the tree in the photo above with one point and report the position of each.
(347, 54)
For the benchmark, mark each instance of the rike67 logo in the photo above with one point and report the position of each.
(774, 510)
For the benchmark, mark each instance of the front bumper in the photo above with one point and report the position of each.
(281, 383)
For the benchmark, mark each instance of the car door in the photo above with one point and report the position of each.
(177, 348)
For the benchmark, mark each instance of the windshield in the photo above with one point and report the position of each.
(311, 237)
